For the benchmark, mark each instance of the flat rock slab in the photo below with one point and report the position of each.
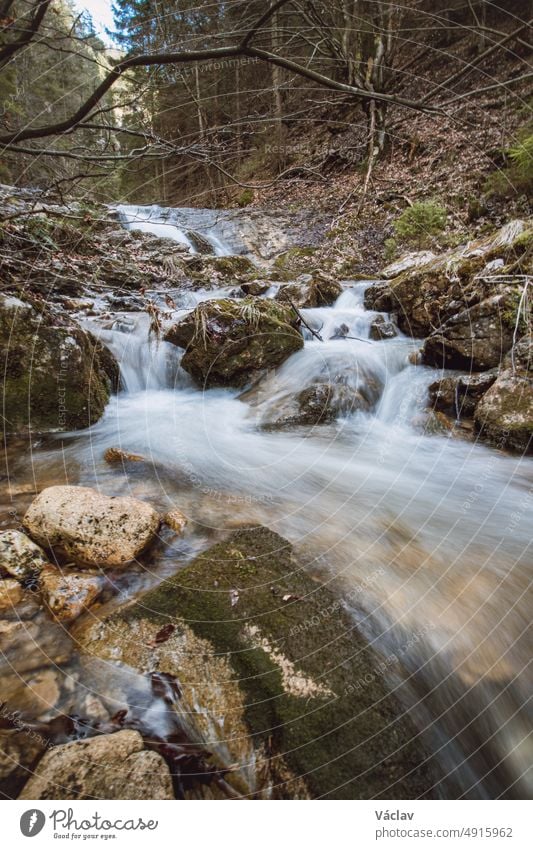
(268, 659)
(113, 766)
(93, 529)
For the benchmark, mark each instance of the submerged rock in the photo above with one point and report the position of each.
(68, 594)
(176, 520)
(117, 455)
(112, 766)
(56, 376)
(320, 403)
(229, 342)
(273, 674)
(94, 530)
(20, 557)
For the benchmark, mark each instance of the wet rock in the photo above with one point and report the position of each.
(113, 766)
(117, 455)
(56, 375)
(68, 594)
(255, 287)
(11, 594)
(229, 342)
(20, 749)
(94, 530)
(320, 291)
(504, 416)
(457, 396)
(20, 557)
(382, 329)
(272, 672)
(520, 357)
(320, 403)
(176, 520)
(426, 296)
(35, 694)
(477, 338)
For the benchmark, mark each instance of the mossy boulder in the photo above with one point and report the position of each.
(229, 342)
(476, 338)
(504, 416)
(318, 291)
(56, 375)
(209, 271)
(273, 672)
(427, 295)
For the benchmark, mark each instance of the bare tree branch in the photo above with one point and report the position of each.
(8, 50)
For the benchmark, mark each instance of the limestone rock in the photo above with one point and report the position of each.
(113, 766)
(20, 557)
(176, 520)
(79, 523)
(68, 594)
(253, 651)
(504, 416)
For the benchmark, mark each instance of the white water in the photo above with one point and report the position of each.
(173, 224)
(429, 535)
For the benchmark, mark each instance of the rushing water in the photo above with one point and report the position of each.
(428, 536)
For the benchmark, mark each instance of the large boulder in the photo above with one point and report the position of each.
(504, 416)
(79, 523)
(112, 766)
(56, 376)
(424, 296)
(272, 672)
(477, 338)
(227, 343)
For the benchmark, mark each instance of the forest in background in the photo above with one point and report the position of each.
(284, 100)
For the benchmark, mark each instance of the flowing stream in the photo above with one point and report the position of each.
(427, 536)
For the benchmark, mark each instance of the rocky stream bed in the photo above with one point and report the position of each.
(265, 530)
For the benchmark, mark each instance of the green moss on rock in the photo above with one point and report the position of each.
(313, 691)
(55, 377)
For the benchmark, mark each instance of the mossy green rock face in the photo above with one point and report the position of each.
(259, 645)
(55, 377)
(504, 416)
(229, 342)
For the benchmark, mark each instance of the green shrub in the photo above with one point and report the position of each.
(420, 221)
(245, 198)
(518, 175)
(391, 249)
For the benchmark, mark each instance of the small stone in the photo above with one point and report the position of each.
(117, 455)
(20, 558)
(175, 520)
(69, 594)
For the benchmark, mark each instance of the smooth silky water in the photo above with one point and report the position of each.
(426, 537)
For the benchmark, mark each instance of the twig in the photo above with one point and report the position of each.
(305, 324)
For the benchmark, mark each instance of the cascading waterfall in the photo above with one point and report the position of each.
(419, 530)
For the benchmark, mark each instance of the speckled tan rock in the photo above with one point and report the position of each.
(175, 520)
(90, 528)
(68, 594)
(20, 558)
(11, 594)
(113, 766)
